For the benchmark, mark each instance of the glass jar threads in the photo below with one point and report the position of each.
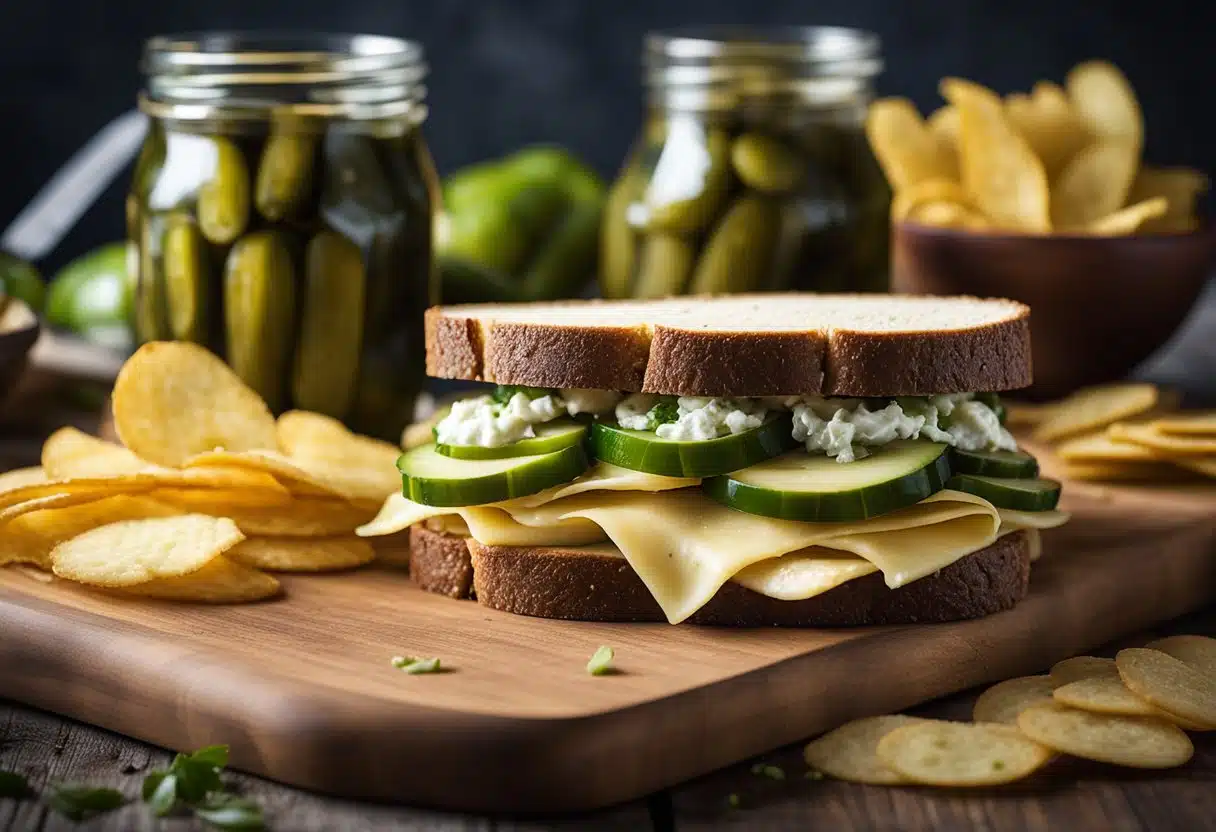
(281, 213)
(752, 172)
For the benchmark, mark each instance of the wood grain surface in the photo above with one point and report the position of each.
(303, 690)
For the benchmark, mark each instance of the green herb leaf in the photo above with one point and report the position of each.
(78, 802)
(503, 393)
(414, 665)
(813, 775)
(663, 413)
(195, 780)
(733, 800)
(998, 765)
(768, 770)
(216, 755)
(227, 811)
(160, 792)
(13, 785)
(601, 661)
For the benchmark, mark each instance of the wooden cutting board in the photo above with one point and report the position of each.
(303, 690)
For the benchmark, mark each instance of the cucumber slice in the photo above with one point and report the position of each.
(802, 486)
(641, 450)
(994, 463)
(550, 437)
(433, 479)
(1003, 492)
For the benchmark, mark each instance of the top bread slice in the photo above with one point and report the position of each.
(740, 345)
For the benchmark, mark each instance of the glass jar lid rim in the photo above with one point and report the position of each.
(827, 44)
(315, 51)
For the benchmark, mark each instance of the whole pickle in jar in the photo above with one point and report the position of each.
(691, 178)
(618, 240)
(766, 164)
(259, 313)
(566, 256)
(664, 266)
(739, 252)
(151, 320)
(331, 326)
(223, 200)
(184, 262)
(286, 172)
(389, 381)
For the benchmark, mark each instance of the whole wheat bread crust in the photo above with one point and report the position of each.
(673, 360)
(575, 584)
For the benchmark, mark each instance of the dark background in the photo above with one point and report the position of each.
(509, 72)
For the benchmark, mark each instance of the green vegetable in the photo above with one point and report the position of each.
(433, 479)
(503, 393)
(189, 780)
(78, 802)
(600, 663)
(550, 437)
(521, 228)
(18, 279)
(769, 770)
(664, 412)
(1016, 494)
(644, 451)
(993, 463)
(230, 812)
(414, 665)
(815, 488)
(813, 775)
(13, 785)
(732, 800)
(94, 296)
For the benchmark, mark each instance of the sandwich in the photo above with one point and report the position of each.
(791, 460)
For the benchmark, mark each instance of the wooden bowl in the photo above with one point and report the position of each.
(18, 332)
(1099, 305)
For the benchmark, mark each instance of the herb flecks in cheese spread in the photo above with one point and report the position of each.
(511, 413)
(844, 428)
(689, 418)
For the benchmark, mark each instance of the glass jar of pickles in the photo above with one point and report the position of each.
(281, 213)
(752, 172)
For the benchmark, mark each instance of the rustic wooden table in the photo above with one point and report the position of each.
(1069, 795)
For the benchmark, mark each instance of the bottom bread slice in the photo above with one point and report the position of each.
(596, 583)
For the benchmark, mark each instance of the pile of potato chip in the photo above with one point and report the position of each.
(1125, 432)
(1132, 710)
(1057, 159)
(207, 490)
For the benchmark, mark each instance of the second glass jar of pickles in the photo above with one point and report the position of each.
(281, 215)
(752, 172)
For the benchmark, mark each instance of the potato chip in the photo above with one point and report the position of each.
(13, 512)
(947, 215)
(1105, 102)
(1026, 413)
(304, 517)
(1181, 188)
(174, 400)
(943, 123)
(1048, 122)
(1166, 444)
(417, 434)
(357, 467)
(86, 489)
(132, 552)
(999, 169)
(69, 453)
(1103, 694)
(1093, 185)
(1199, 423)
(220, 581)
(1081, 667)
(214, 500)
(1096, 407)
(1133, 741)
(33, 536)
(927, 190)
(1197, 651)
(849, 752)
(1005, 700)
(1147, 472)
(1098, 447)
(20, 477)
(295, 554)
(904, 146)
(1127, 220)
(1200, 465)
(1169, 683)
(297, 480)
(960, 754)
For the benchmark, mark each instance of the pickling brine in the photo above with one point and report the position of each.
(287, 226)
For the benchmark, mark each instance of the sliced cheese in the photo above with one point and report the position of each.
(491, 525)
(604, 477)
(1012, 521)
(684, 546)
(802, 575)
